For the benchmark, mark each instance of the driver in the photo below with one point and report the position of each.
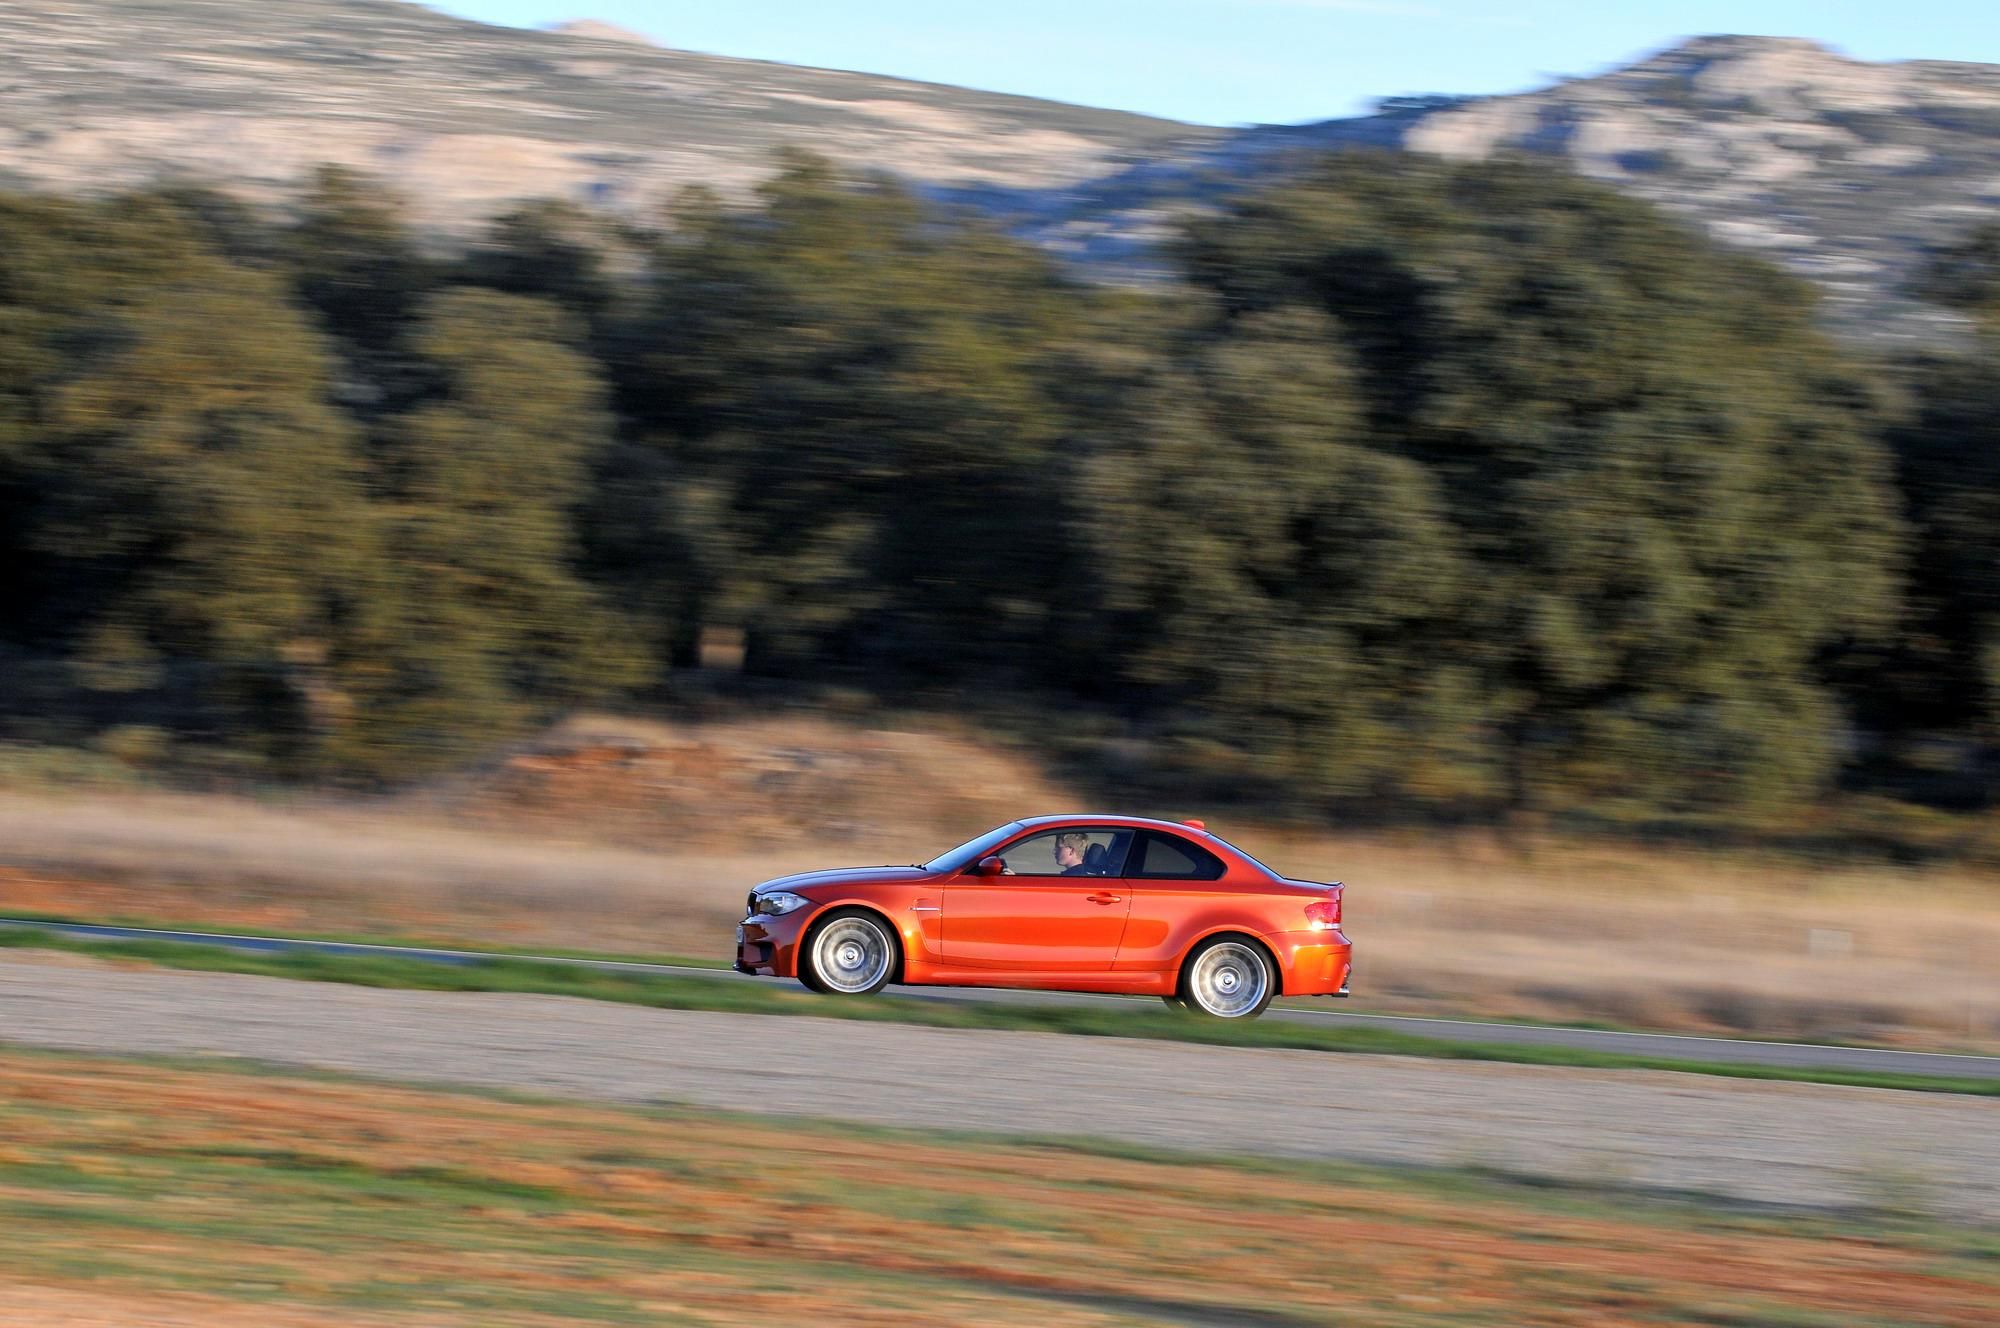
(1070, 849)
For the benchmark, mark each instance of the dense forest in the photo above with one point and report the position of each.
(1429, 490)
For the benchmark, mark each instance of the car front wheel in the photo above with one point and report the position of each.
(849, 954)
(1228, 978)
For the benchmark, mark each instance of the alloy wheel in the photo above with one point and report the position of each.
(1229, 980)
(851, 956)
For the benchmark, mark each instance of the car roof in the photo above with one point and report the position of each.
(1100, 818)
(1196, 830)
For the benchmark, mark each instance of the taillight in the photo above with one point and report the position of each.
(1324, 914)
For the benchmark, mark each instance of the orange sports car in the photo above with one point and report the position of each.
(1060, 903)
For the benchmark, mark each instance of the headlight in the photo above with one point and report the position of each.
(779, 902)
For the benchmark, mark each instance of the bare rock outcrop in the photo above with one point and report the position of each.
(466, 118)
(1840, 169)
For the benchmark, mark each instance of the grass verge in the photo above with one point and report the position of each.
(190, 1194)
(1135, 1021)
(434, 941)
(391, 940)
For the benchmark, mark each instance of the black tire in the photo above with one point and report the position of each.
(850, 952)
(1175, 1002)
(806, 978)
(1228, 977)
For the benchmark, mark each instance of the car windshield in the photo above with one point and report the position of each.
(972, 850)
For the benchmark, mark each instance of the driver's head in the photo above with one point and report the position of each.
(1070, 849)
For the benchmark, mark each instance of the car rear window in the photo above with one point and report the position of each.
(1254, 862)
(1171, 858)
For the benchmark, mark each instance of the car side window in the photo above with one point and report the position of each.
(1170, 858)
(1072, 851)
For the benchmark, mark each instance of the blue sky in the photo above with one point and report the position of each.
(1238, 61)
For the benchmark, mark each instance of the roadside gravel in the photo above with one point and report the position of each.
(1807, 1144)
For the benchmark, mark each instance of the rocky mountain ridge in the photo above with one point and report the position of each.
(599, 31)
(466, 118)
(1842, 170)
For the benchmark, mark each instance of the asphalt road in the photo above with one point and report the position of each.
(1667, 1045)
(1783, 1143)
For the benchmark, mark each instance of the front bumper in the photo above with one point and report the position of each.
(769, 945)
(1315, 963)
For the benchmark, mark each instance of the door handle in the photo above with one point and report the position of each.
(1105, 899)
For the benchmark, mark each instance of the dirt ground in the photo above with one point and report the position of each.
(173, 1196)
(620, 835)
(26, 1305)
(1792, 1144)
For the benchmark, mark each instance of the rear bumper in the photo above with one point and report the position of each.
(1315, 963)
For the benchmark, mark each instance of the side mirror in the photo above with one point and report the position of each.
(989, 867)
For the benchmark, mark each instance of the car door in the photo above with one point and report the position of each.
(1037, 919)
(1174, 883)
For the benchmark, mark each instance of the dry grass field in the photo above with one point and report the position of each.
(634, 837)
(137, 1193)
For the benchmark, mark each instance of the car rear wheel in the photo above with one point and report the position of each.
(848, 954)
(1228, 978)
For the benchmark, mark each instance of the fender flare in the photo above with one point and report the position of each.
(1224, 929)
(856, 906)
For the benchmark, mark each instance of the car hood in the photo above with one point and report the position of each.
(846, 876)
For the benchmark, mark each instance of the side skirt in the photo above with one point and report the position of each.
(1126, 982)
